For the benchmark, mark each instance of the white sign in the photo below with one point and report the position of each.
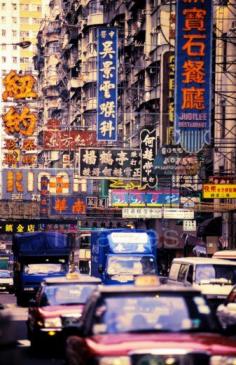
(149, 213)
(189, 226)
(175, 213)
(121, 238)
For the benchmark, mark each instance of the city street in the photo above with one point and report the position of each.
(24, 355)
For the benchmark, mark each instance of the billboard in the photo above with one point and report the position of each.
(193, 65)
(107, 163)
(147, 198)
(107, 64)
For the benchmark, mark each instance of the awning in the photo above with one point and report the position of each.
(210, 227)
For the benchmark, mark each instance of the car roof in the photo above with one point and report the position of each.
(225, 253)
(203, 260)
(81, 279)
(168, 289)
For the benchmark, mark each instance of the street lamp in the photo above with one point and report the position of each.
(22, 44)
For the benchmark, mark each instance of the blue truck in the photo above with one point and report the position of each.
(38, 255)
(119, 255)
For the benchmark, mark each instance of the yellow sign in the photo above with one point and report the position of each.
(219, 191)
(19, 86)
(20, 124)
(147, 280)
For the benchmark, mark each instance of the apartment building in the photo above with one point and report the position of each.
(66, 62)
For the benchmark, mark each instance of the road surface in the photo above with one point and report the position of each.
(22, 355)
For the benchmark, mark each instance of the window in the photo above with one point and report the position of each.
(24, 20)
(4, 59)
(14, 47)
(14, 33)
(14, 6)
(14, 20)
(182, 272)
(4, 46)
(4, 32)
(3, 6)
(24, 7)
(174, 271)
(3, 19)
(14, 59)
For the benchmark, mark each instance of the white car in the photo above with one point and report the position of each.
(214, 277)
(226, 312)
(6, 281)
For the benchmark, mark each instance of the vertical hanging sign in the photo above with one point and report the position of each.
(148, 148)
(193, 74)
(44, 196)
(107, 63)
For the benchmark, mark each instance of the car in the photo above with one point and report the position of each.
(226, 312)
(58, 300)
(6, 281)
(225, 254)
(139, 325)
(214, 277)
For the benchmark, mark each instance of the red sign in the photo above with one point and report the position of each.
(68, 140)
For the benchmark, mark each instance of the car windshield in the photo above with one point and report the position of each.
(44, 268)
(68, 294)
(214, 273)
(153, 313)
(5, 274)
(133, 265)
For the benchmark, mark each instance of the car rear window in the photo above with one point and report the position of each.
(164, 313)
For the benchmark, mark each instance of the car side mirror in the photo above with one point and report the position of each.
(100, 269)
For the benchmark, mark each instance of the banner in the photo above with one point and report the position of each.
(193, 65)
(107, 63)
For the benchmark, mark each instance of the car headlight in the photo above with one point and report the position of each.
(121, 360)
(226, 360)
(52, 322)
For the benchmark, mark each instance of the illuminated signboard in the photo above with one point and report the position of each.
(67, 205)
(136, 198)
(107, 84)
(219, 191)
(193, 74)
(19, 184)
(106, 163)
(148, 145)
(60, 140)
(129, 242)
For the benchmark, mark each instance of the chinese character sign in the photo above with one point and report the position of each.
(193, 74)
(68, 205)
(107, 61)
(107, 163)
(148, 150)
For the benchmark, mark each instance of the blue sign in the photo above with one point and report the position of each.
(107, 62)
(193, 65)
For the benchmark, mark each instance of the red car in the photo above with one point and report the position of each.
(124, 325)
(59, 300)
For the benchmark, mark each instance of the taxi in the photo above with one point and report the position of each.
(58, 300)
(143, 325)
